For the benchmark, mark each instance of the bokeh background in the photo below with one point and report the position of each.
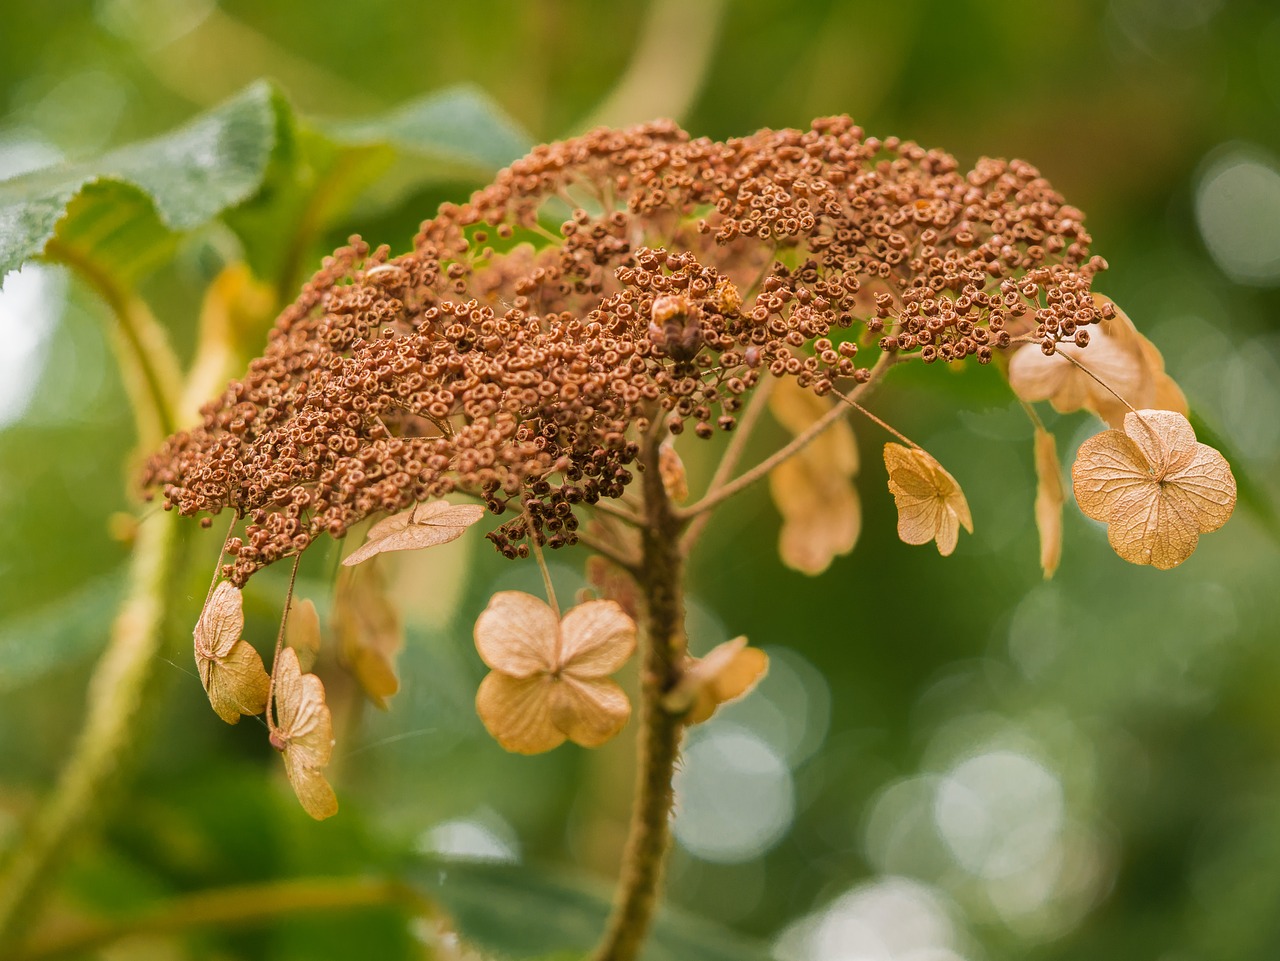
(950, 758)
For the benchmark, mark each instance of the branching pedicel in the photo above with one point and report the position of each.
(537, 370)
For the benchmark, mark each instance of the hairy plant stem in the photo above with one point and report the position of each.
(660, 576)
(114, 699)
(228, 907)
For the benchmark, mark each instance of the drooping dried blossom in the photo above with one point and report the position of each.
(1128, 365)
(230, 669)
(814, 492)
(674, 479)
(1049, 500)
(425, 525)
(550, 677)
(1157, 488)
(728, 671)
(506, 361)
(302, 731)
(370, 634)
(931, 505)
(302, 633)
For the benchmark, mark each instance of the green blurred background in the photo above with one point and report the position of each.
(951, 758)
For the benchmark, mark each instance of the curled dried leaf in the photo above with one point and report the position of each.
(302, 632)
(814, 492)
(728, 671)
(1050, 497)
(303, 733)
(1155, 486)
(370, 634)
(931, 505)
(549, 679)
(230, 668)
(423, 525)
(1117, 354)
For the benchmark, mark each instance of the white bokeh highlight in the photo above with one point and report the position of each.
(734, 795)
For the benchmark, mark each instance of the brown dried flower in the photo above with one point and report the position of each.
(930, 504)
(303, 733)
(814, 492)
(230, 669)
(1156, 487)
(1124, 361)
(302, 633)
(1049, 500)
(729, 671)
(369, 632)
(524, 374)
(550, 678)
(425, 525)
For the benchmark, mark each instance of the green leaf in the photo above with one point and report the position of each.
(460, 125)
(277, 180)
(119, 209)
(324, 169)
(518, 913)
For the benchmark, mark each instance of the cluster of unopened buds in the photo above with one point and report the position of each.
(547, 342)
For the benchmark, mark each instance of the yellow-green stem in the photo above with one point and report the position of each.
(230, 907)
(115, 695)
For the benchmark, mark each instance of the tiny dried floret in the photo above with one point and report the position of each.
(523, 374)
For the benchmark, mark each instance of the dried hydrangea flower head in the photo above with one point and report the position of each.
(545, 348)
(512, 362)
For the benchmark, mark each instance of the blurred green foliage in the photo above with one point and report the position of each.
(949, 753)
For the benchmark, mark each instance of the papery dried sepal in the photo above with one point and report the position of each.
(302, 632)
(1126, 363)
(728, 671)
(1050, 496)
(931, 505)
(303, 733)
(428, 524)
(230, 669)
(1155, 486)
(370, 634)
(549, 681)
(813, 490)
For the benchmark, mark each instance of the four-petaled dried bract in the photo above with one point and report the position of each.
(230, 669)
(303, 733)
(930, 504)
(1156, 487)
(550, 679)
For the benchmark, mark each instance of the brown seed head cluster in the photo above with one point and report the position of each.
(518, 362)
